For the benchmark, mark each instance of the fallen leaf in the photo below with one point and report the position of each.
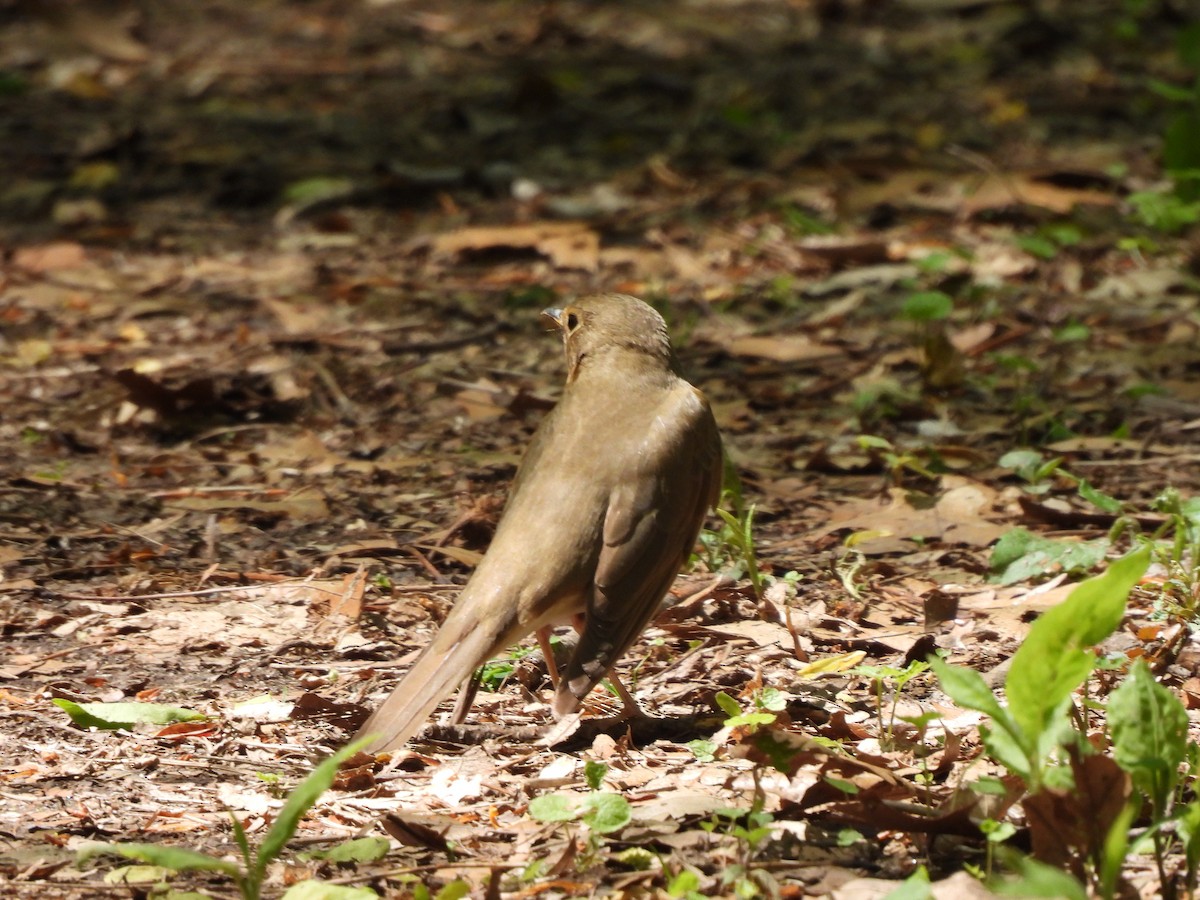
(569, 245)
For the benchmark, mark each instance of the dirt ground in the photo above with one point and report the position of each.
(270, 276)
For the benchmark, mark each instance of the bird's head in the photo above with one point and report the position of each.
(610, 324)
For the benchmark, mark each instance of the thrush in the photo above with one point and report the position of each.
(604, 510)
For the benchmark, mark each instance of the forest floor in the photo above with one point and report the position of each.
(270, 276)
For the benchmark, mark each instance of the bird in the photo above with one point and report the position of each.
(605, 508)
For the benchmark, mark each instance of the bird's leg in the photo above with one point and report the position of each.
(631, 708)
(466, 696)
(543, 637)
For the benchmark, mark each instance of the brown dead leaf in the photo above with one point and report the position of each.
(1069, 827)
(51, 257)
(306, 505)
(569, 245)
(956, 516)
(787, 348)
(1004, 190)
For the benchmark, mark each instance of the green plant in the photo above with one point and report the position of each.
(602, 812)
(898, 461)
(1039, 473)
(898, 678)
(1181, 139)
(1181, 555)
(764, 705)
(248, 875)
(1149, 729)
(1165, 211)
(493, 673)
(1026, 735)
(941, 361)
(751, 829)
(732, 545)
(1035, 738)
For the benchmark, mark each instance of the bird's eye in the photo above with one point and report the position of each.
(572, 321)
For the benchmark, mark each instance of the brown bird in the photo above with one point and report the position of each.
(605, 508)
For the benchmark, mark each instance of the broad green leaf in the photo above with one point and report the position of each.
(1056, 656)
(1007, 749)
(728, 705)
(552, 808)
(685, 882)
(605, 813)
(110, 716)
(1021, 555)
(966, 687)
(178, 859)
(704, 750)
(1149, 733)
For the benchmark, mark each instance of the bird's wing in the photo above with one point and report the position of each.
(653, 517)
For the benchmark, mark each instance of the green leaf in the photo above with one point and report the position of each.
(1099, 499)
(1149, 728)
(1072, 333)
(841, 784)
(704, 750)
(552, 808)
(1168, 91)
(873, 442)
(299, 802)
(1188, 826)
(1017, 749)
(318, 189)
(685, 883)
(1056, 656)
(605, 813)
(927, 306)
(319, 890)
(110, 716)
(1036, 879)
(1008, 746)
(772, 699)
(1036, 245)
(752, 718)
(593, 773)
(1023, 462)
(637, 858)
(966, 687)
(365, 849)
(455, 890)
(138, 875)
(1021, 555)
(915, 887)
(178, 859)
(728, 705)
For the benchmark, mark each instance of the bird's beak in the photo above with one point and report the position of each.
(554, 315)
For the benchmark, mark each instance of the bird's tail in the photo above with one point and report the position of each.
(458, 649)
